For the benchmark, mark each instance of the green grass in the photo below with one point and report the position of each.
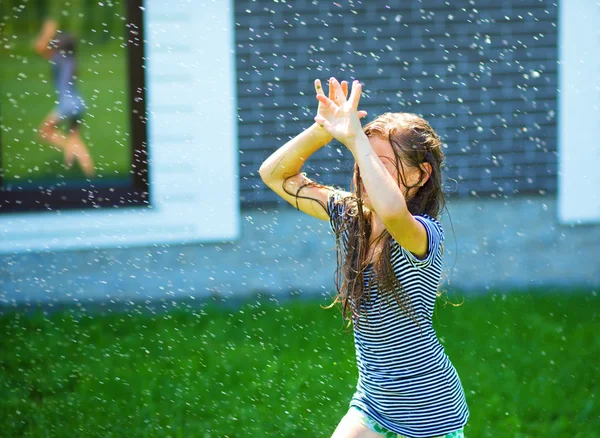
(27, 96)
(528, 363)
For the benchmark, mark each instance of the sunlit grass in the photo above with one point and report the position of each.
(262, 368)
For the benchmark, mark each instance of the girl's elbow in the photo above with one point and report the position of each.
(263, 171)
(266, 175)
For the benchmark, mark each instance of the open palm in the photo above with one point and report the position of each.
(337, 114)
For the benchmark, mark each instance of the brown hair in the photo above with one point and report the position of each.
(414, 142)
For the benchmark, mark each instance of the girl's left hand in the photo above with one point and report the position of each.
(340, 116)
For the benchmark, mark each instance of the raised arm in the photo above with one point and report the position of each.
(46, 35)
(281, 171)
(389, 203)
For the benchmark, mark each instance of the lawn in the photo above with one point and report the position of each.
(527, 361)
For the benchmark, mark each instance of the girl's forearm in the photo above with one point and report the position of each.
(289, 158)
(46, 35)
(385, 195)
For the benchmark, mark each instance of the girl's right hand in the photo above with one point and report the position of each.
(47, 33)
(320, 109)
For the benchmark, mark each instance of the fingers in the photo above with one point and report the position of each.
(345, 88)
(326, 101)
(319, 88)
(355, 94)
(331, 92)
(339, 92)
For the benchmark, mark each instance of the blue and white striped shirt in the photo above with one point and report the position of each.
(406, 381)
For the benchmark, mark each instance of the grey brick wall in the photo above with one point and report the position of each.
(494, 103)
(483, 75)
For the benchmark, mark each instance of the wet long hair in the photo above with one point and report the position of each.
(414, 142)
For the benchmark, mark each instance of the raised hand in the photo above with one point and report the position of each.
(47, 33)
(338, 115)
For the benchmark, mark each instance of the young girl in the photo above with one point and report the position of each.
(61, 51)
(389, 243)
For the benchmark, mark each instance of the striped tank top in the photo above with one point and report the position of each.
(406, 381)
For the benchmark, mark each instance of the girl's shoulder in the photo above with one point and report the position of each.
(435, 238)
(432, 223)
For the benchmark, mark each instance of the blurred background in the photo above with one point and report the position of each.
(200, 315)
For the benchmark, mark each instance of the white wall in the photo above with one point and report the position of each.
(579, 112)
(192, 144)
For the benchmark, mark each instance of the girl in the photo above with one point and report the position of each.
(71, 107)
(389, 243)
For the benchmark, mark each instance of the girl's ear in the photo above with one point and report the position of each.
(426, 167)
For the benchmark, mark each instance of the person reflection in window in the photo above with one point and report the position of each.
(60, 49)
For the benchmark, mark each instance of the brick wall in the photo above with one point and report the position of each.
(483, 75)
(494, 104)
